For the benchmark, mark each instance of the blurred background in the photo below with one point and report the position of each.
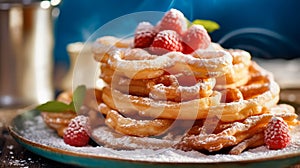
(268, 29)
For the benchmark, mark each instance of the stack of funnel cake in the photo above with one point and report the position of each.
(223, 97)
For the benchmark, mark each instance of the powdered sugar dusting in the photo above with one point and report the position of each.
(144, 26)
(136, 60)
(36, 131)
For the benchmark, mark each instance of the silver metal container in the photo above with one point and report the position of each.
(26, 53)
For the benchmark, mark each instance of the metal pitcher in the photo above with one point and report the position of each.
(26, 46)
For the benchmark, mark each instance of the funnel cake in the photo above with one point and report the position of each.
(205, 99)
(230, 134)
(260, 91)
(208, 135)
(147, 91)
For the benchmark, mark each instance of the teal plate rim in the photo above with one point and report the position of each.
(89, 160)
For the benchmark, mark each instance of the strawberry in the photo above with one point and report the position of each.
(173, 20)
(144, 35)
(77, 132)
(194, 38)
(277, 134)
(165, 41)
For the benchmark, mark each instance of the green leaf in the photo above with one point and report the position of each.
(55, 106)
(209, 25)
(78, 97)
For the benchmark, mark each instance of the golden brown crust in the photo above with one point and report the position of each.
(128, 104)
(136, 127)
(235, 132)
(261, 91)
(239, 74)
(138, 64)
(165, 87)
(58, 121)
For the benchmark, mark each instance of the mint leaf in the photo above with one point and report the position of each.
(78, 97)
(209, 25)
(55, 106)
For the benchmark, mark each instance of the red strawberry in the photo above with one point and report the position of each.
(166, 41)
(77, 132)
(173, 20)
(194, 38)
(144, 35)
(277, 134)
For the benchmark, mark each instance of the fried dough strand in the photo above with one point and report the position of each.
(236, 132)
(165, 87)
(134, 127)
(137, 63)
(261, 91)
(257, 140)
(238, 75)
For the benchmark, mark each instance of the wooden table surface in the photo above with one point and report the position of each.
(14, 155)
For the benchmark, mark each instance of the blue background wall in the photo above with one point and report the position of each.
(266, 28)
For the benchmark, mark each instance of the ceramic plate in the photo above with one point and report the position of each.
(30, 131)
